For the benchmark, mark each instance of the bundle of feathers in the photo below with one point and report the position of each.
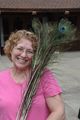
(51, 36)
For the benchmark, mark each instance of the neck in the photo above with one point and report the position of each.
(19, 71)
(21, 75)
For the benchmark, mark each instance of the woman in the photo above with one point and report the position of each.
(47, 104)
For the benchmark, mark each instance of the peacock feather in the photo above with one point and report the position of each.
(51, 36)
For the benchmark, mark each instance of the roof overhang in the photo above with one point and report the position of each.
(39, 5)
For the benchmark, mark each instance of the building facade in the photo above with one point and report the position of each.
(15, 15)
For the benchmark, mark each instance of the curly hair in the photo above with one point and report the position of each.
(15, 37)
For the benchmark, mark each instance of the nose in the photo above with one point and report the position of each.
(23, 54)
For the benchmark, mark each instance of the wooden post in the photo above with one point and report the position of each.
(1, 35)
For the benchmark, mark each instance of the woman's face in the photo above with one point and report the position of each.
(22, 53)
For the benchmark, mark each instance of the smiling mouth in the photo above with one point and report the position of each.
(22, 61)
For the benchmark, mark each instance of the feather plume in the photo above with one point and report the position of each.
(51, 37)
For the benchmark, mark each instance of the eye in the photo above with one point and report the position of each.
(30, 52)
(19, 48)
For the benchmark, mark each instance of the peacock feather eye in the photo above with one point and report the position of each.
(62, 29)
(65, 26)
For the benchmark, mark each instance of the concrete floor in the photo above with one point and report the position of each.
(67, 71)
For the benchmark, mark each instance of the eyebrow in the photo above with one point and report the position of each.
(22, 47)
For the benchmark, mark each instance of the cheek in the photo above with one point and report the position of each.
(30, 58)
(13, 55)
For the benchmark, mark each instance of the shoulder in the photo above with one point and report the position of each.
(47, 74)
(4, 73)
(4, 77)
(50, 83)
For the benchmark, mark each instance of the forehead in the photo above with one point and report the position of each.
(24, 43)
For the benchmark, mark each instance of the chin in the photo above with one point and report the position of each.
(22, 67)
